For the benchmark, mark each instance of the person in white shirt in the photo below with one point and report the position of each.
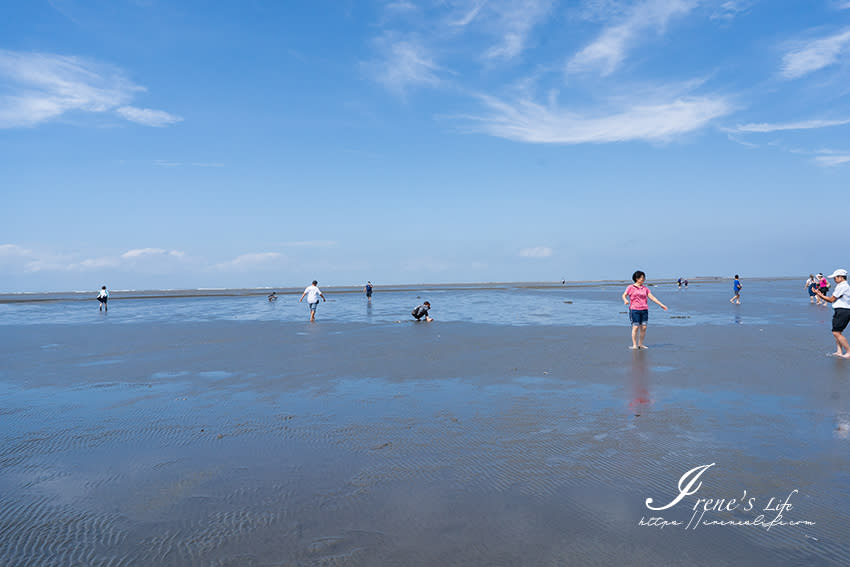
(811, 283)
(313, 294)
(102, 298)
(841, 316)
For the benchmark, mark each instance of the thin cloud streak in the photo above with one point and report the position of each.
(40, 87)
(404, 63)
(148, 252)
(517, 19)
(610, 49)
(833, 160)
(731, 9)
(251, 260)
(13, 250)
(147, 116)
(536, 252)
(527, 121)
(815, 55)
(803, 125)
(470, 14)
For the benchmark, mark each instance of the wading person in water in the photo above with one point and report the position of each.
(103, 298)
(636, 297)
(313, 294)
(841, 311)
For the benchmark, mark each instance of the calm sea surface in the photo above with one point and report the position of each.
(763, 302)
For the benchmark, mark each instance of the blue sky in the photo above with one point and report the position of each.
(149, 144)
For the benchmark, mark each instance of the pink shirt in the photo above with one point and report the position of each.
(638, 296)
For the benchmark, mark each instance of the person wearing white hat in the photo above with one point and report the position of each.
(840, 300)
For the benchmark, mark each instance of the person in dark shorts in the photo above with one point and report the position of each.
(637, 298)
(368, 290)
(823, 284)
(841, 311)
(422, 311)
(273, 296)
(736, 290)
(102, 298)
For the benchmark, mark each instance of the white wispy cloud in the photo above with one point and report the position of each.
(528, 121)
(38, 87)
(833, 160)
(515, 19)
(731, 9)
(466, 13)
(136, 258)
(149, 252)
(814, 55)
(13, 250)
(147, 116)
(404, 63)
(536, 252)
(741, 142)
(18, 259)
(610, 49)
(828, 157)
(802, 125)
(252, 260)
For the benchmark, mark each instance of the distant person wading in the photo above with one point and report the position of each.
(313, 294)
(103, 298)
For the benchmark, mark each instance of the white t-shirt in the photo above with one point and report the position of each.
(102, 293)
(312, 294)
(842, 295)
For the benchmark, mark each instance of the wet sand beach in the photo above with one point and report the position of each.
(283, 443)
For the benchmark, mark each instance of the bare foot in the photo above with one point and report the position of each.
(642, 346)
(633, 347)
(845, 355)
(835, 354)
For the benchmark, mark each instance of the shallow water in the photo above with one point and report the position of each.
(764, 302)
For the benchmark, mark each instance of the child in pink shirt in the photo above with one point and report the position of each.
(636, 297)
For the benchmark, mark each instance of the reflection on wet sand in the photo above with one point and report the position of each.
(639, 382)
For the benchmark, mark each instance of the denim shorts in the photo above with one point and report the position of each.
(313, 306)
(639, 316)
